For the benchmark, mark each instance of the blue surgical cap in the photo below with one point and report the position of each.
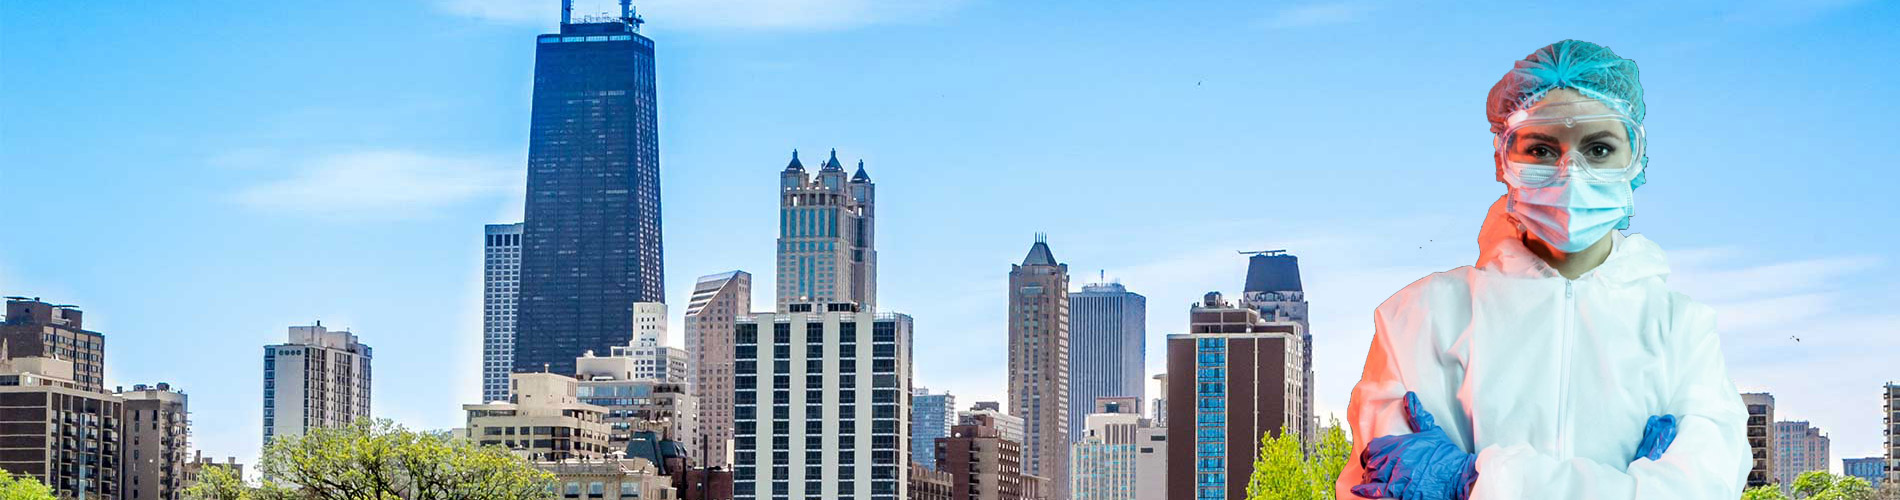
(1588, 68)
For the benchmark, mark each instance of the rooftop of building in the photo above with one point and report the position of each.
(1273, 271)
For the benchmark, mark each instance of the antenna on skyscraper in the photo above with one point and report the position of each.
(627, 14)
(567, 11)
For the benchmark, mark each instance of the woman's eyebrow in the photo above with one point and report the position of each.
(1600, 134)
(1538, 136)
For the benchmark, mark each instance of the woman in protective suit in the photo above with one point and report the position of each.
(1561, 365)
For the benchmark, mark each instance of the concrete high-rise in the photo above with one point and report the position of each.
(319, 378)
(985, 466)
(1799, 447)
(1761, 436)
(1273, 288)
(590, 243)
(931, 417)
(1039, 362)
(1104, 459)
(827, 244)
(822, 404)
(1151, 462)
(637, 398)
(1233, 378)
(501, 283)
(58, 433)
(1107, 348)
(159, 422)
(1890, 418)
(991, 413)
(545, 420)
(35, 328)
(717, 303)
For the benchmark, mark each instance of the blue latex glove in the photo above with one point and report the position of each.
(1423, 465)
(1657, 434)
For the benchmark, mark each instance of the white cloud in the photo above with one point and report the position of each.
(383, 184)
(715, 14)
(1319, 14)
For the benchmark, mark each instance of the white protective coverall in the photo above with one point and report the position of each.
(1550, 380)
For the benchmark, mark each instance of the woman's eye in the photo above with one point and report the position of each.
(1599, 151)
(1541, 152)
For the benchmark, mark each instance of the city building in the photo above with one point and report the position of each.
(985, 466)
(827, 251)
(1108, 344)
(1871, 469)
(1161, 400)
(546, 421)
(319, 378)
(929, 484)
(159, 429)
(1890, 418)
(1151, 463)
(58, 433)
(590, 243)
(717, 303)
(822, 404)
(1104, 460)
(1799, 447)
(609, 479)
(704, 483)
(637, 404)
(1273, 288)
(1761, 436)
(931, 417)
(1039, 362)
(646, 357)
(199, 463)
(34, 328)
(501, 282)
(1234, 377)
(1007, 426)
(667, 455)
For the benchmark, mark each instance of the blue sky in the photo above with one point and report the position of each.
(200, 175)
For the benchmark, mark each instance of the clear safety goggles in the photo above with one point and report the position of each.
(1553, 142)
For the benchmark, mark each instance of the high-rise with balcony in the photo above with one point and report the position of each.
(319, 378)
(159, 422)
(1039, 362)
(717, 303)
(1761, 437)
(827, 244)
(1107, 347)
(1273, 288)
(590, 243)
(1799, 447)
(1890, 418)
(1232, 378)
(56, 433)
(501, 283)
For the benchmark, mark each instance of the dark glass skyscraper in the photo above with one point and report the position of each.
(591, 245)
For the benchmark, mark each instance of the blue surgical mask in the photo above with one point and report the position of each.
(1571, 214)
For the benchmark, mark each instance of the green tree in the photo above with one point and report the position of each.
(23, 488)
(1765, 492)
(1284, 471)
(380, 460)
(1820, 485)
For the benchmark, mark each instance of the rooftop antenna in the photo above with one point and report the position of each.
(627, 14)
(567, 11)
(1269, 253)
(1042, 237)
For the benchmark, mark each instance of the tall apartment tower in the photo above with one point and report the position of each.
(1273, 288)
(827, 251)
(717, 303)
(983, 465)
(501, 282)
(1105, 458)
(590, 246)
(319, 378)
(1233, 378)
(158, 421)
(1039, 362)
(1761, 436)
(35, 328)
(931, 417)
(66, 437)
(822, 405)
(1799, 447)
(1107, 347)
(1890, 409)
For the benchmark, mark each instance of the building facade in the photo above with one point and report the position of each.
(319, 378)
(930, 484)
(634, 405)
(546, 421)
(1234, 377)
(159, 426)
(1761, 436)
(1151, 463)
(931, 417)
(717, 303)
(1799, 447)
(501, 284)
(590, 243)
(1890, 418)
(1039, 362)
(611, 479)
(1871, 469)
(198, 464)
(1273, 288)
(827, 245)
(1104, 462)
(1108, 347)
(822, 405)
(1007, 426)
(59, 434)
(985, 466)
(35, 328)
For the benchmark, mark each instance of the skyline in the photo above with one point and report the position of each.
(227, 202)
